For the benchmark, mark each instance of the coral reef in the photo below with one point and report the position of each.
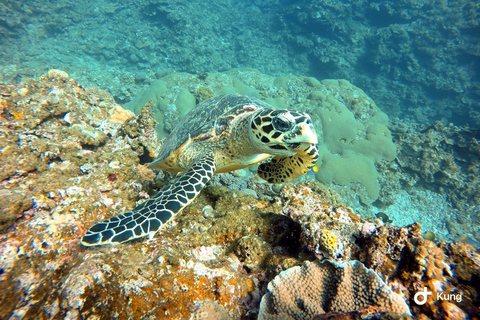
(332, 287)
(411, 264)
(442, 160)
(208, 37)
(49, 129)
(72, 157)
(415, 59)
(328, 227)
(69, 178)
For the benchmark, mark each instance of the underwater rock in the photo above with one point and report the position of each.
(328, 227)
(252, 252)
(443, 159)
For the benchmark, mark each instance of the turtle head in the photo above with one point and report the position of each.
(282, 132)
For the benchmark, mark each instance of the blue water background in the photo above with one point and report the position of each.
(416, 59)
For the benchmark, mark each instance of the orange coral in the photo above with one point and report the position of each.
(428, 260)
(17, 115)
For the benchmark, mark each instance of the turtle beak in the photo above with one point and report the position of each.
(308, 131)
(306, 134)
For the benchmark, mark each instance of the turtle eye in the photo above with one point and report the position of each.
(281, 124)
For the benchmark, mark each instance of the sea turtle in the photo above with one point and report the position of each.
(221, 134)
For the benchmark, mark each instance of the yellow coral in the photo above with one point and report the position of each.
(17, 115)
(328, 241)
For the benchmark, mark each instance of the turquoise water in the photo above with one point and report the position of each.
(417, 60)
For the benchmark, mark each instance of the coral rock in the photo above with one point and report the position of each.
(252, 251)
(59, 74)
(429, 261)
(209, 310)
(316, 288)
(118, 114)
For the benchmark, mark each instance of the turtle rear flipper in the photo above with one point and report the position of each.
(285, 169)
(148, 217)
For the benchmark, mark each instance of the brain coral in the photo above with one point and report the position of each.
(319, 287)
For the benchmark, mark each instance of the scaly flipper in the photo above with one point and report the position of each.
(148, 217)
(285, 169)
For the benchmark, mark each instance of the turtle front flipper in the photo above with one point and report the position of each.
(148, 217)
(285, 169)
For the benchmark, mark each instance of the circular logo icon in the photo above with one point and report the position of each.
(423, 296)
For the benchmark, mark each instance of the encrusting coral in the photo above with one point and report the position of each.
(329, 241)
(210, 310)
(331, 287)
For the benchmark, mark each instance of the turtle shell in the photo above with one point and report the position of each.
(207, 120)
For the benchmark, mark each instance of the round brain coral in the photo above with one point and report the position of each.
(316, 288)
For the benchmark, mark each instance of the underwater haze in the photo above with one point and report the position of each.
(418, 60)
